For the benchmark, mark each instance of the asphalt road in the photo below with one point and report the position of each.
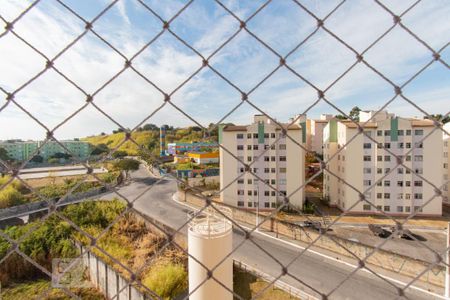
(313, 270)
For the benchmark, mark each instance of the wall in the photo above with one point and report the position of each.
(387, 260)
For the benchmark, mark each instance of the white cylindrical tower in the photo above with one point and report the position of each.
(209, 242)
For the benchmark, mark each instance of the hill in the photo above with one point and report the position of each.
(149, 139)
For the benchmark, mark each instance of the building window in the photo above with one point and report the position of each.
(272, 193)
(249, 204)
(400, 145)
(367, 182)
(399, 183)
(272, 181)
(282, 158)
(255, 170)
(282, 181)
(240, 147)
(367, 146)
(367, 170)
(407, 183)
(272, 158)
(418, 183)
(408, 132)
(272, 147)
(418, 145)
(240, 181)
(249, 147)
(418, 132)
(379, 145)
(407, 209)
(408, 158)
(379, 132)
(249, 181)
(273, 204)
(272, 135)
(272, 170)
(379, 183)
(239, 136)
(400, 132)
(379, 158)
(387, 145)
(282, 147)
(240, 203)
(241, 170)
(367, 158)
(366, 207)
(249, 193)
(400, 170)
(255, 135)
(387, 196)
(282, 170)
(267, 204)
(249, 158)
(266, 158)
(418, 196)
(255, 147)
(387, 183)
(249, 135)
(400, 196)
(387, 158)
(387, 208)
(418, 158)
(266, 135)
(379, 195)
(400, 209)
(387, 170)
(266, 170)
(255, 193)
(266, 193)
(240, 192)
(387, 133)
(417, 208)
(407, 196)
(379, 171)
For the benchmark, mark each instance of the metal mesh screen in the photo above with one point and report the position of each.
(281, 267)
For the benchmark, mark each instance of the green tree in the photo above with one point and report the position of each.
(439, 117)
(126, 165)
(354, 114)
(4, 154)
(119, 154)
(99, 149)
(150, 127)
(37, 159)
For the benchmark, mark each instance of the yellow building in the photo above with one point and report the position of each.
(204, 157)
(276, 159)
(355, 163)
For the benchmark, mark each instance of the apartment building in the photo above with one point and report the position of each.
(316, 128)
(23, 150)
(19, 150)
(446, 164)
(279, 163)
(362, 162)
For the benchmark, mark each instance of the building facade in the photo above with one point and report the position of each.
(177, 148)
(446, 164)
(279, 163)
(204, 157)
(316, 128)
(23, 150)
(363, 163)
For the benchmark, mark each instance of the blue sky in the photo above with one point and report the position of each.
(282, 25)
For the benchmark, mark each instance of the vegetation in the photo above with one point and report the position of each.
(126, 165)
(440, 118)
(353, 114)
(148, 137)
(12, 194)
(167, 280)
(33, 289)
(37, 159)
(4, 154)
(119, 154)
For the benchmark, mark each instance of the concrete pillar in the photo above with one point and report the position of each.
(210, 241)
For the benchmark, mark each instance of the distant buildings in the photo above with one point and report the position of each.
(280, 164)
(204, 157)
(362, 162)
(23, 150)
(177, 148)
(446, 164)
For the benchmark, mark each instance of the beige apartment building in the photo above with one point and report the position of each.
(278, 163)
(446, 164)
(362, 163)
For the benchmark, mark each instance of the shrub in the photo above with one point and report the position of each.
(10, 196)
(167, 280)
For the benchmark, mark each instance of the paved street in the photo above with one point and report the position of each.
(318, 272)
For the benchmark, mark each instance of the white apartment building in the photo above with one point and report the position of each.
(446, 164)
(316, 132)
(282, 165)
(362, 163)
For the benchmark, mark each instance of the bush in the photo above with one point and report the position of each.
(10, 196)
(126, 165)
(119, 154)
(167, 280)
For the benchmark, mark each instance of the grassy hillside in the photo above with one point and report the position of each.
(149, 139)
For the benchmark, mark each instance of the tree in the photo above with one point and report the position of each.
(4, 154)
(150, 127)
(118, 130)
(126, 165)
(119, 154)
(60, 155)
(354, 114)
(37, 159)
(99, 149)
(439, 117)
(340, 117)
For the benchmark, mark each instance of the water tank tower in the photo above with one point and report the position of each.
(162, 140)
(209, 242)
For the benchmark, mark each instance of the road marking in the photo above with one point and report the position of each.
(174, 197)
